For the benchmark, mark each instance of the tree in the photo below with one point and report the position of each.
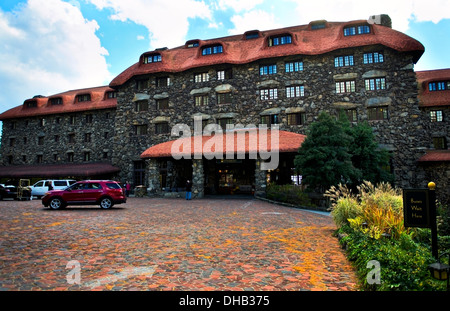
(324, 159)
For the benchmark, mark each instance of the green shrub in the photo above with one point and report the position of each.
(288, 194)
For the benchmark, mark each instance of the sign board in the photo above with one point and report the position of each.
(416, 208)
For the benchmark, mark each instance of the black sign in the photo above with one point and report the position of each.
(416, 208)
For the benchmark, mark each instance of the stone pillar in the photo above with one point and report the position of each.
(153, 176)
(198, 179)
(260, 180)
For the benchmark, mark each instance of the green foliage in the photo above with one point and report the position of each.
(288, 194)
(364, 217)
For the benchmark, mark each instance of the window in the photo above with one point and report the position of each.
(162, 104)
(267, 70)
(215, 49)
(267, 94)
(42, 122)
(141, 106)
(72, 120)
(39, 158)
(140, 129)
(84, 98)
(223, 122)
(294, 66)
(106, 135)
(201, 77)
(56, 101)
(111, 94)
(371, 58)
(86, 156)
(251, 35)
(89, 118)
(154, 58)
(375, 84)
(344, 61)
(436, 116)
(70, 157)
(280, 40)
(270, 119)
(25, 140)
(356, 30)
(439, 143)
(224, 74)
(224, 98)
(41, 140)
(295, 91)
(201, 100)
(439, 86)
(192, 44)
(162, 81)
(345, 87)
(71, 138)
(105, 155)
(141, 84)
(31, 104)
(56, 138)
(162, 128)
(352, 115)
(12, 142)
(296, 118)
(378, 113)
(87, 137)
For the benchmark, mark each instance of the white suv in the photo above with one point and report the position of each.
(42, 186)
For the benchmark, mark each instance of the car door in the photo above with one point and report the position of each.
(92, 192)
(39, 188)
(75, 193)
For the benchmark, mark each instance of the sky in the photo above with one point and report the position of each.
(52, 46)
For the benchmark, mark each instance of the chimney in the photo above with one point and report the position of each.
(382, 19)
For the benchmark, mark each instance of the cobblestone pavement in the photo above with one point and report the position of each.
(170, 244)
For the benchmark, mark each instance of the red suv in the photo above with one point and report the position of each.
(106, 193)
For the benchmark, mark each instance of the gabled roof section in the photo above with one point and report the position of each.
(70, 103)
(434, 98)
(305, 41)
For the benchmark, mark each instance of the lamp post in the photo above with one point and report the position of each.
(433, 224)
(440, 271)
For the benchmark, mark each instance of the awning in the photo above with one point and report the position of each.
(58, 170)
(256, 141)
(436, 156)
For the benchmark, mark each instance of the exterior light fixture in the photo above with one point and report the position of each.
(440, 271)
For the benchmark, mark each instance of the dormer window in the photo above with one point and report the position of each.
(31, 104)
(318, 25)
(215, 49)
(84, 98)
(152, 58)
(192, 44)
(356, 30)
(280, 40)
(111, 94)
(439, 86)
(56, 101)
(254, 34)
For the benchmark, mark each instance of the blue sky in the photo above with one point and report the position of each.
(51, 46)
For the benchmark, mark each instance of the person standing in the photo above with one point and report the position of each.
(188, 190)
(127, 188)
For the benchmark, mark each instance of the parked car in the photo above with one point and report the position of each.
(42, 186)
(8, 191)
(105, 193)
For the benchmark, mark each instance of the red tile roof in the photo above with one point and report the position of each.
(238, 50)
(434, 98)
(288, 142)
(58, 170)
(436, 156)
(70, 103)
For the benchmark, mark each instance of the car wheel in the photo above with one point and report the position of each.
(106, 203)
(56, 203)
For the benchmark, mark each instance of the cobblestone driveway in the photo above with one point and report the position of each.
(170, 244)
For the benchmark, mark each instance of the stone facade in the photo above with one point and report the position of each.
(402, 133)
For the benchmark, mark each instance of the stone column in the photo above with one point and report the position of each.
(153, 176)
(260, 180)
(198, 179)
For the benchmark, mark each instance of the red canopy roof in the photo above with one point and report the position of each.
(255, 142)
(58, 170)
(436, 156)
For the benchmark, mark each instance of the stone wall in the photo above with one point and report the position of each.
(403, 133)
(52, 139)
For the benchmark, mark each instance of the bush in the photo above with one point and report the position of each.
(288, 194)
(365, 218)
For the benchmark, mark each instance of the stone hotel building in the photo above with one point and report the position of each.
(283, 76)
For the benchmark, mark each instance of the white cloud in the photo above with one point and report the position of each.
(46, 47)
(167, 21)
(239, 5)
(256, 19)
